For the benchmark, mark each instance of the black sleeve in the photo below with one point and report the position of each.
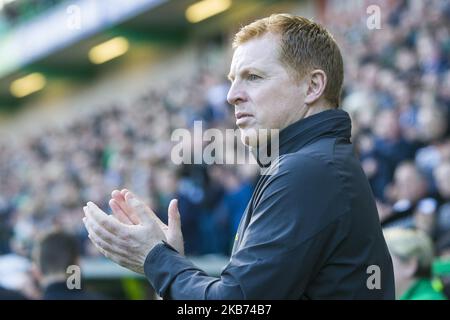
(289, 236)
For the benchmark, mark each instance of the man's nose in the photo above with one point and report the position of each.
(235, 95)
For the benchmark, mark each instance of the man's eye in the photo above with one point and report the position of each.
(252, 77)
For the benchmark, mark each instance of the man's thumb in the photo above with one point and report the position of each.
(174, 217)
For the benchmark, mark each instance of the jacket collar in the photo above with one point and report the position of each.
(330, 123)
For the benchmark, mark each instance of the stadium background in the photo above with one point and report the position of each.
(90, 92)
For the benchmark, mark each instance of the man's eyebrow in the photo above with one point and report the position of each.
(245, 71)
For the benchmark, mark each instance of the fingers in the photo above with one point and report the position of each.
(174, 216)
(138, 208)
(115, 194)
(122, 199)
(93, 227)
(119, 197)
(118, 212)
(102, 219)
(112, 245)
(145, 214)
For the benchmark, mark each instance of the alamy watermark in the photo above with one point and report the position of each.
(215, 146)
(374, 18)
(73, 21)
(74, 279)
(374, 280)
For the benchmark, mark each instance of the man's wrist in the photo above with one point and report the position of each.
(165, 243)
(157, 248)
(153, 266)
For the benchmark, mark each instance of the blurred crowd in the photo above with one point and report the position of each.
(48, 178)
(396, 89)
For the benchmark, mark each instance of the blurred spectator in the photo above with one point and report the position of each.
(387, 149)
(54, 254)
(411, 207)
(237, 193)
(15, 278)
(442, 177)
(412, 256)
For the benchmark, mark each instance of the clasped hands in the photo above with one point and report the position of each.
(127, 236)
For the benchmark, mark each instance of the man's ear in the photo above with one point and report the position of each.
(317, 82)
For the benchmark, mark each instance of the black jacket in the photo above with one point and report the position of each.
(310, 231)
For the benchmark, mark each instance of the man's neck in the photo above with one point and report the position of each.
(310, 111)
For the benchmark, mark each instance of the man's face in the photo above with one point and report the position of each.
(264, 93)
(409, 183)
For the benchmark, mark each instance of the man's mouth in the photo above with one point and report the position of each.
(242, 117)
